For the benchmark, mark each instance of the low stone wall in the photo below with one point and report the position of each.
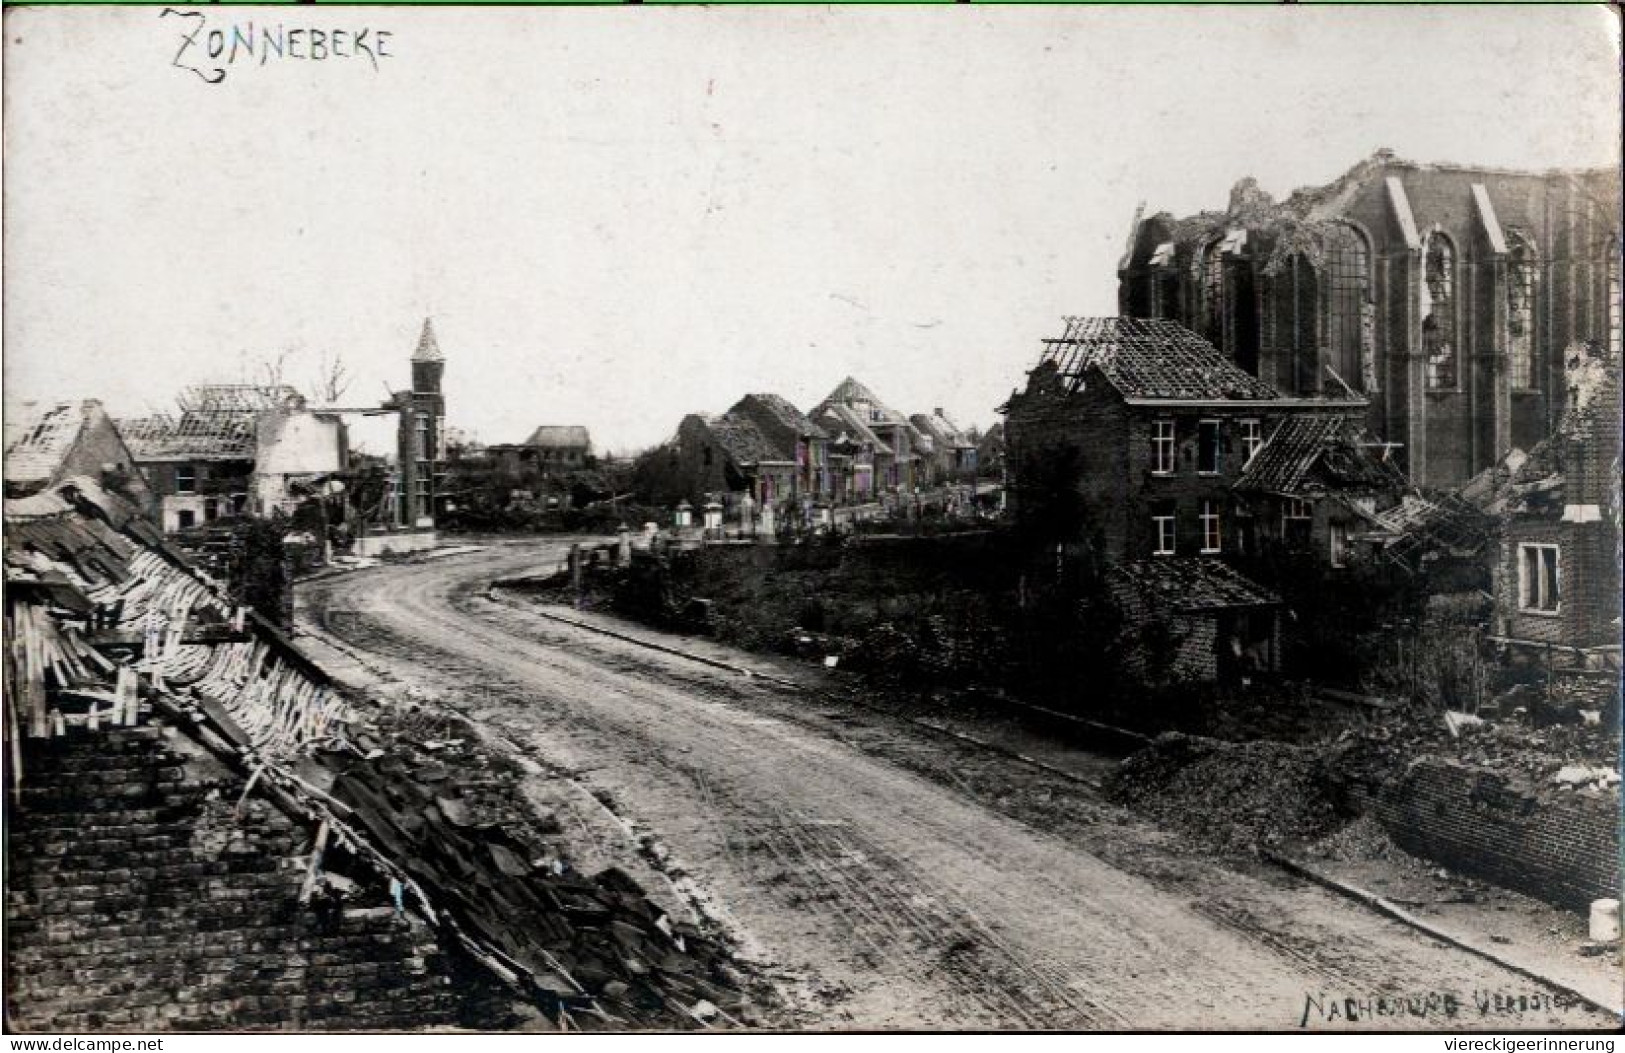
(145, 892)
(1560, 848)
(397, 543)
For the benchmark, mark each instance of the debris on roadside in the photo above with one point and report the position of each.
(1237, 796)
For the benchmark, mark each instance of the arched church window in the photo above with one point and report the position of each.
(1439, 312)
(1521, 268)
(1348, 281)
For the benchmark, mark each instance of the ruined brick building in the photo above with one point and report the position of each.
(1558, 574)
(762, 447)
(1446, 295)
(1139, 442)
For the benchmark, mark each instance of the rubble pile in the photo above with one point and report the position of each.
(1237, 796)
(1361, 841)
(1542, 760)
(589, 950)
(110, 629)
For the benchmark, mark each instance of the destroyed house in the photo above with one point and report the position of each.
(859, 457)
(1129, 440)
(726, 457)
(1320, 484)
(1133, 434)
(200, 463)
(539, 467)
(204, 835)
(762, 448)
(953, 452)
(1443, 294)
(1193, 620)
(1557, 581)
(550, 450)
(793, 434)
(48, 444)
(897, 459)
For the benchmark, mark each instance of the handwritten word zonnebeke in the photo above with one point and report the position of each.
(209, 51)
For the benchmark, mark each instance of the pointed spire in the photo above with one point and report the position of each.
(428, 348)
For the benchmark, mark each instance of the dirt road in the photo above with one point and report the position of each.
(886, 878)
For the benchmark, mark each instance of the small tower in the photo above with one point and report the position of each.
(423, 420)
(428, 364)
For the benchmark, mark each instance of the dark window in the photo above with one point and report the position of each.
(211, 509)
(1297, 522)
(1539, 578)
(1304, 327)
(185, 479)
(186, 518)
(1207, 448)
(1439, 312)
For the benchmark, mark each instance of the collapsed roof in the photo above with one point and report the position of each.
(40, 437)
(775, 412)
(1148, 359)
(853, 393)
(847, 424)
(1316, 453)
(219, 436)
(1188, 586)
(941, 430)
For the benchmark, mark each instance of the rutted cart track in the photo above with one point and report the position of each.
(885, 877)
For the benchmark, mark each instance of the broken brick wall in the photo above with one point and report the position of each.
(145, 891)
(1563, 849)
(1588, 575)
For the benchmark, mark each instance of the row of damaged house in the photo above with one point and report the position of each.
(765, 453)
(230, 452)
(1139, 446)
(205, 833)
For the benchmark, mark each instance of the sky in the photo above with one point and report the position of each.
(617, 216)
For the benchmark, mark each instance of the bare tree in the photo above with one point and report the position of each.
(273, 369)
(332, 378)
